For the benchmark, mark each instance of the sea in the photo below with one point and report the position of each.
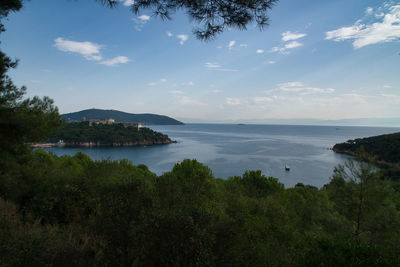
(231, 149)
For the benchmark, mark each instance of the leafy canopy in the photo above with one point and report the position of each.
(21, 120)
(213, 16)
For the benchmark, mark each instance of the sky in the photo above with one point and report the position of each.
(317, 59)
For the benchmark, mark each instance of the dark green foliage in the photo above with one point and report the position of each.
(113, 213)
(119, 116)
(28, 243)
(103, 134)
(385, 147)
(257, 185)
(21, 120)
(184, 217)
(385, 150)
(213, 16)
(7, 6)
(371, 203)
(335, 251)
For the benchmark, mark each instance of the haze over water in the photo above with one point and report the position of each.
(230, 150)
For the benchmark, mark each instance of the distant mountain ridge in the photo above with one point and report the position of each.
(119, 116)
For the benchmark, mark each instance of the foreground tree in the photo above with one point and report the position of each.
(367, 200)
(21, 120)
(213, 16)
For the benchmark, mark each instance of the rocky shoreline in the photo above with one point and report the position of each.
(346, 152)
(379, 162)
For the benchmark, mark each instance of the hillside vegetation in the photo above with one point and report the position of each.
(63, 211)
(115, 134)
(385, 147)
(119, 116)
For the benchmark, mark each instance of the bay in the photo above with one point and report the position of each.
(229, 149)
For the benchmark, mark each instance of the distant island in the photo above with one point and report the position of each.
(106, 134)
(119, 116)
(385, 147)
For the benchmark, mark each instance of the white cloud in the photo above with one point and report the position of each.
(176, 92)
(182, 37)
(115, 61)
(243, 45)
(186, 100)
(227, 70)
(190, 83)
(299, 88)
(129, 2)
(231, 44)
(286, 37)
(392, 98)
(290, 84)
(144, 17)
(314, 90)
(182, 99)
(344, 33)
(151, 84)
(274, 49)
(232, 101)
(212, 65)
(217, 66)
(91, 51)
(285, 49)
(140, 21)
(387, 86)
(369, 10)
(163, 80)
(249, 102)
(88, 50)
(259, 51)
(292, 45)
(289, 36)
(262, 99)
(391, 95)
(219, 47)
(271, 62)
(386, 29)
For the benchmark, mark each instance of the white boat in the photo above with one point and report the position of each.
(287, 168)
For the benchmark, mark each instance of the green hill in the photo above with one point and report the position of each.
(119, 116)
(385, 147)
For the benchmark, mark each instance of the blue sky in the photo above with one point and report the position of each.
(317, 59)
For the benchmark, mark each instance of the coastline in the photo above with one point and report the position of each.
(353, 154)
(98, 144)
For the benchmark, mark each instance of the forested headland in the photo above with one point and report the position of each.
(385, 147)
(382, 151)
(83, 134)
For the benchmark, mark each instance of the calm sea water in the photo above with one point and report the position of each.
(230, 150)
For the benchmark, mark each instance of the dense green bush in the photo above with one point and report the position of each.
(72, 210)
(80, 132)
